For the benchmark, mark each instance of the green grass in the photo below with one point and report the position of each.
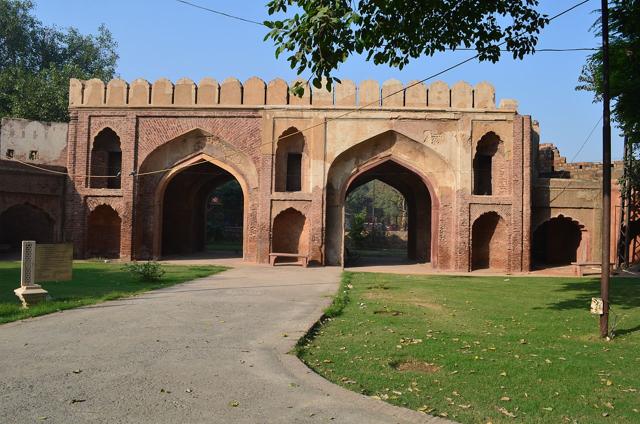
(92, 282)
(494, 346)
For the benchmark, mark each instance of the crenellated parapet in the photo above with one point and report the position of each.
(255, 93)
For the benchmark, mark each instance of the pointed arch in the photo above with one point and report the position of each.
(387, 147)
(291, 162)
(158, 206)
(106, 160)
(104, 226)
(560, 240)
(489, 242)
(25, 221)
(289, 232)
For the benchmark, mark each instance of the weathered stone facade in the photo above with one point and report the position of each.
(468, 169)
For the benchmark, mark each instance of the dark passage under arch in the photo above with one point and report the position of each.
(556, 241)
(396, 228)
(25, 222)
(203, 209)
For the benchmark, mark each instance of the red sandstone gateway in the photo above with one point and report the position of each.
(142, 160)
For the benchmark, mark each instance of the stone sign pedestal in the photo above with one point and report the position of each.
(29, 292)
(31, 295)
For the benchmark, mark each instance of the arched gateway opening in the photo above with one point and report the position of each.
(202, 212)
(557, 242)
(387, 217)
(25, 222)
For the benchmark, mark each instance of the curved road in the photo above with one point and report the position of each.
(209, 351)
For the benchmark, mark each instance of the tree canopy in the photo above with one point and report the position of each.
(624, 66)
(319, 35)
(36, 62)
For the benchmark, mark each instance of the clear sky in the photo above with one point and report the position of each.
(164, 38)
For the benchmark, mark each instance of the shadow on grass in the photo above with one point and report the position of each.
(623, 293)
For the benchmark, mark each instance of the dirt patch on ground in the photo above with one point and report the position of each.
(390, 297)
(414, 365)
(388, 312)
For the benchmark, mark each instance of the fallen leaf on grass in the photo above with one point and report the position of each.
(426, 409)
(503, 411)
(505, 398)
(503, 373)
(548, 408)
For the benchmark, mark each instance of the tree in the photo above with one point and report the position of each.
(322, 34)
(36, 62)
(624, 57)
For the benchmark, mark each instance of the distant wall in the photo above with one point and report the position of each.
(256, 92)
(33, 141)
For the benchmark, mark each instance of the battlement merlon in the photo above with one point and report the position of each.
(255, 93)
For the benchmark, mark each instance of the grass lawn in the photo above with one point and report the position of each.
(483, 349)
(93, 282)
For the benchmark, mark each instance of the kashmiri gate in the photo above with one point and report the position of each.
(145, 158)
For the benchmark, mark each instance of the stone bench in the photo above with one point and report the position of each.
(303, 259)
(579, 267)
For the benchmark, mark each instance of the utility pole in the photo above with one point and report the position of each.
(606, 175)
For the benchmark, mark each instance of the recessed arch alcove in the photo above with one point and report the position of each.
(25, 222)
(103, 232)
(559, 241)
(489, 242)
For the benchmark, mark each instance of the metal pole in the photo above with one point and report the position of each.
(628, 167)
(606, 175)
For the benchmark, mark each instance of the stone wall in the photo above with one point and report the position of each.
(573, 191)
(33, 141)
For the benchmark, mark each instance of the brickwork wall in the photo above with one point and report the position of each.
(41, 190)
(429, 132)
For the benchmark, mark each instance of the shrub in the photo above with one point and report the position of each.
(145, 271)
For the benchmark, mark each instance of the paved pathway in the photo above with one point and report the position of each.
(184, 354)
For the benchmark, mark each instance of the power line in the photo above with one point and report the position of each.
(584, 143)
(376, 102)
(217, 12)
(251, 21)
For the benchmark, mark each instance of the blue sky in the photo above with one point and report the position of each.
(164, 38)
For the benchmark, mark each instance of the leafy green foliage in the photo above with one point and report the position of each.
(379, 201)
(477, 349)
(37, 61)
(624, 65)
(145, 271)
(319, 35)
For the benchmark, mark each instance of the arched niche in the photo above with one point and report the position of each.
(291, 162)
(106, 160)
(484, 165)
(103, 232)
(289, 232)
(489, 243)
